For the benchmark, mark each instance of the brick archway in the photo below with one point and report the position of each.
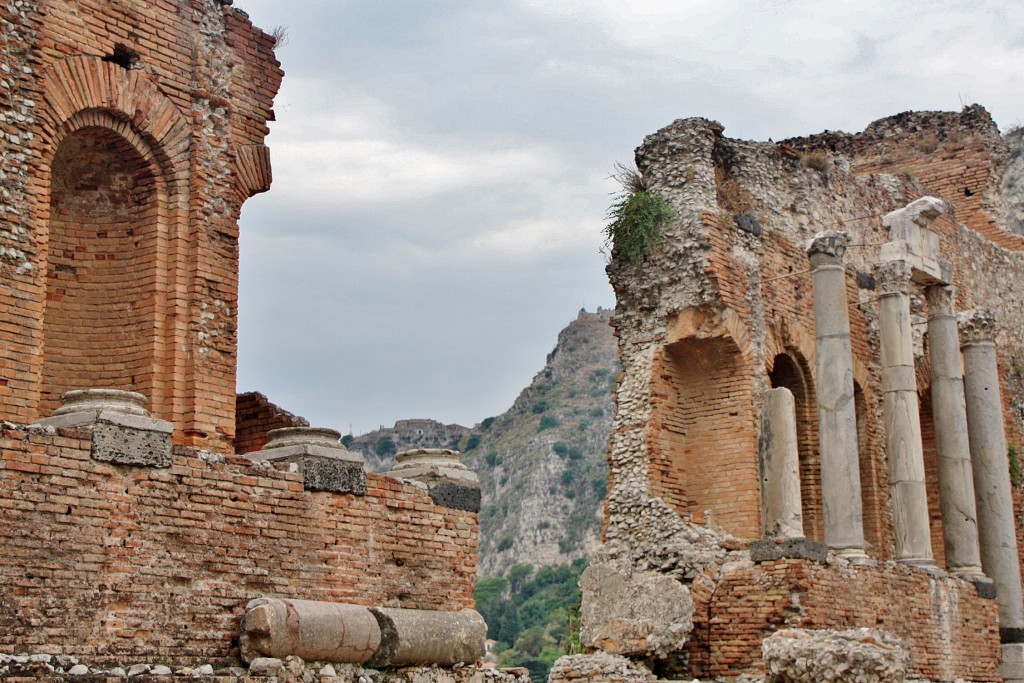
(113, 210)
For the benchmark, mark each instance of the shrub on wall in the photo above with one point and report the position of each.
(636, 217)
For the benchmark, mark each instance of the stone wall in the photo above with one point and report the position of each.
(729, 287)
(132, 133)
(110, 562)
(721, 309)
(951, 632)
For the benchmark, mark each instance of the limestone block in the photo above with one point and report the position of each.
(858, 656)
(320, 631)
(418, 636)
(635, 614)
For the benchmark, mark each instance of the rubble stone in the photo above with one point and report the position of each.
(853, 656)
(632, 613)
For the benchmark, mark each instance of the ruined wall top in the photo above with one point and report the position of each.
(131, 289)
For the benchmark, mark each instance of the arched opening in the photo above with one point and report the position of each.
(870, 500)
(931, 477)
(102, 269)
(791, 372)
(703, 434)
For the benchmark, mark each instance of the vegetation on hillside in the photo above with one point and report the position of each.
(533, 614)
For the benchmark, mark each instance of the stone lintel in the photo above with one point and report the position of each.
(925, 270)
(911, 239)
(977, 326)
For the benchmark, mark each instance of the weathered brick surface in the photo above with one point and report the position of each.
(950, 632)
(722, 309)
(255, 415)
(109, 562)
(130, 136)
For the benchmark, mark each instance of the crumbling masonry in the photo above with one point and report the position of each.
(804, 439)
(131, 133)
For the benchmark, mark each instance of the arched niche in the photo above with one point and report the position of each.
(789, 369)
(103, 287)
(703, 439)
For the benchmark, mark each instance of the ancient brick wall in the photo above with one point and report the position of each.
(721, 310)
(255, 415)
(733, 260)
(133, 132)
(110, 562)
(950, 632)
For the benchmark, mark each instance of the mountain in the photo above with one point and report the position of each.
(542, 464)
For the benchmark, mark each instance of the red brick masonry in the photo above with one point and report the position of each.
(108, 562)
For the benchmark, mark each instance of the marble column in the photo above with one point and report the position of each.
(902, 416)
(780, 467)
(992, 489)
(949, 416)
(837, 420)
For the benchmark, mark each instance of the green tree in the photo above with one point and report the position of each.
(386, 447)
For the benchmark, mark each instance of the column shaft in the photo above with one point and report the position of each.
(949, 417)
(780, 467)
(902, 417)
(992, 491)
(837, 420)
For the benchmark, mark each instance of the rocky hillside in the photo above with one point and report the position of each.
(542, 463)
(380, 446)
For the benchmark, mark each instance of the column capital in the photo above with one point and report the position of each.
(894, 276)
(941, 300)
(827, 248)
(977, 326)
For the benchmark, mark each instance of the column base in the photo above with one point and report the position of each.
(853, 555)
(1011, 663)
(926, 563)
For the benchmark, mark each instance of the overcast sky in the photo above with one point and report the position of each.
(441, 168)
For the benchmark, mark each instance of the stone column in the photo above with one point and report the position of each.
(902, 417)
(780, 467)
(991, 471)
(949, 415)
(837, 420)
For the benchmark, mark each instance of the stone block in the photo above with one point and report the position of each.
(332, 474)
(326, 465)
(415, 636)
(448, 482)
(1011, 662)
(861, 655)
(130, 445)
(632, 613)
(766, 550)
(455, 496)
